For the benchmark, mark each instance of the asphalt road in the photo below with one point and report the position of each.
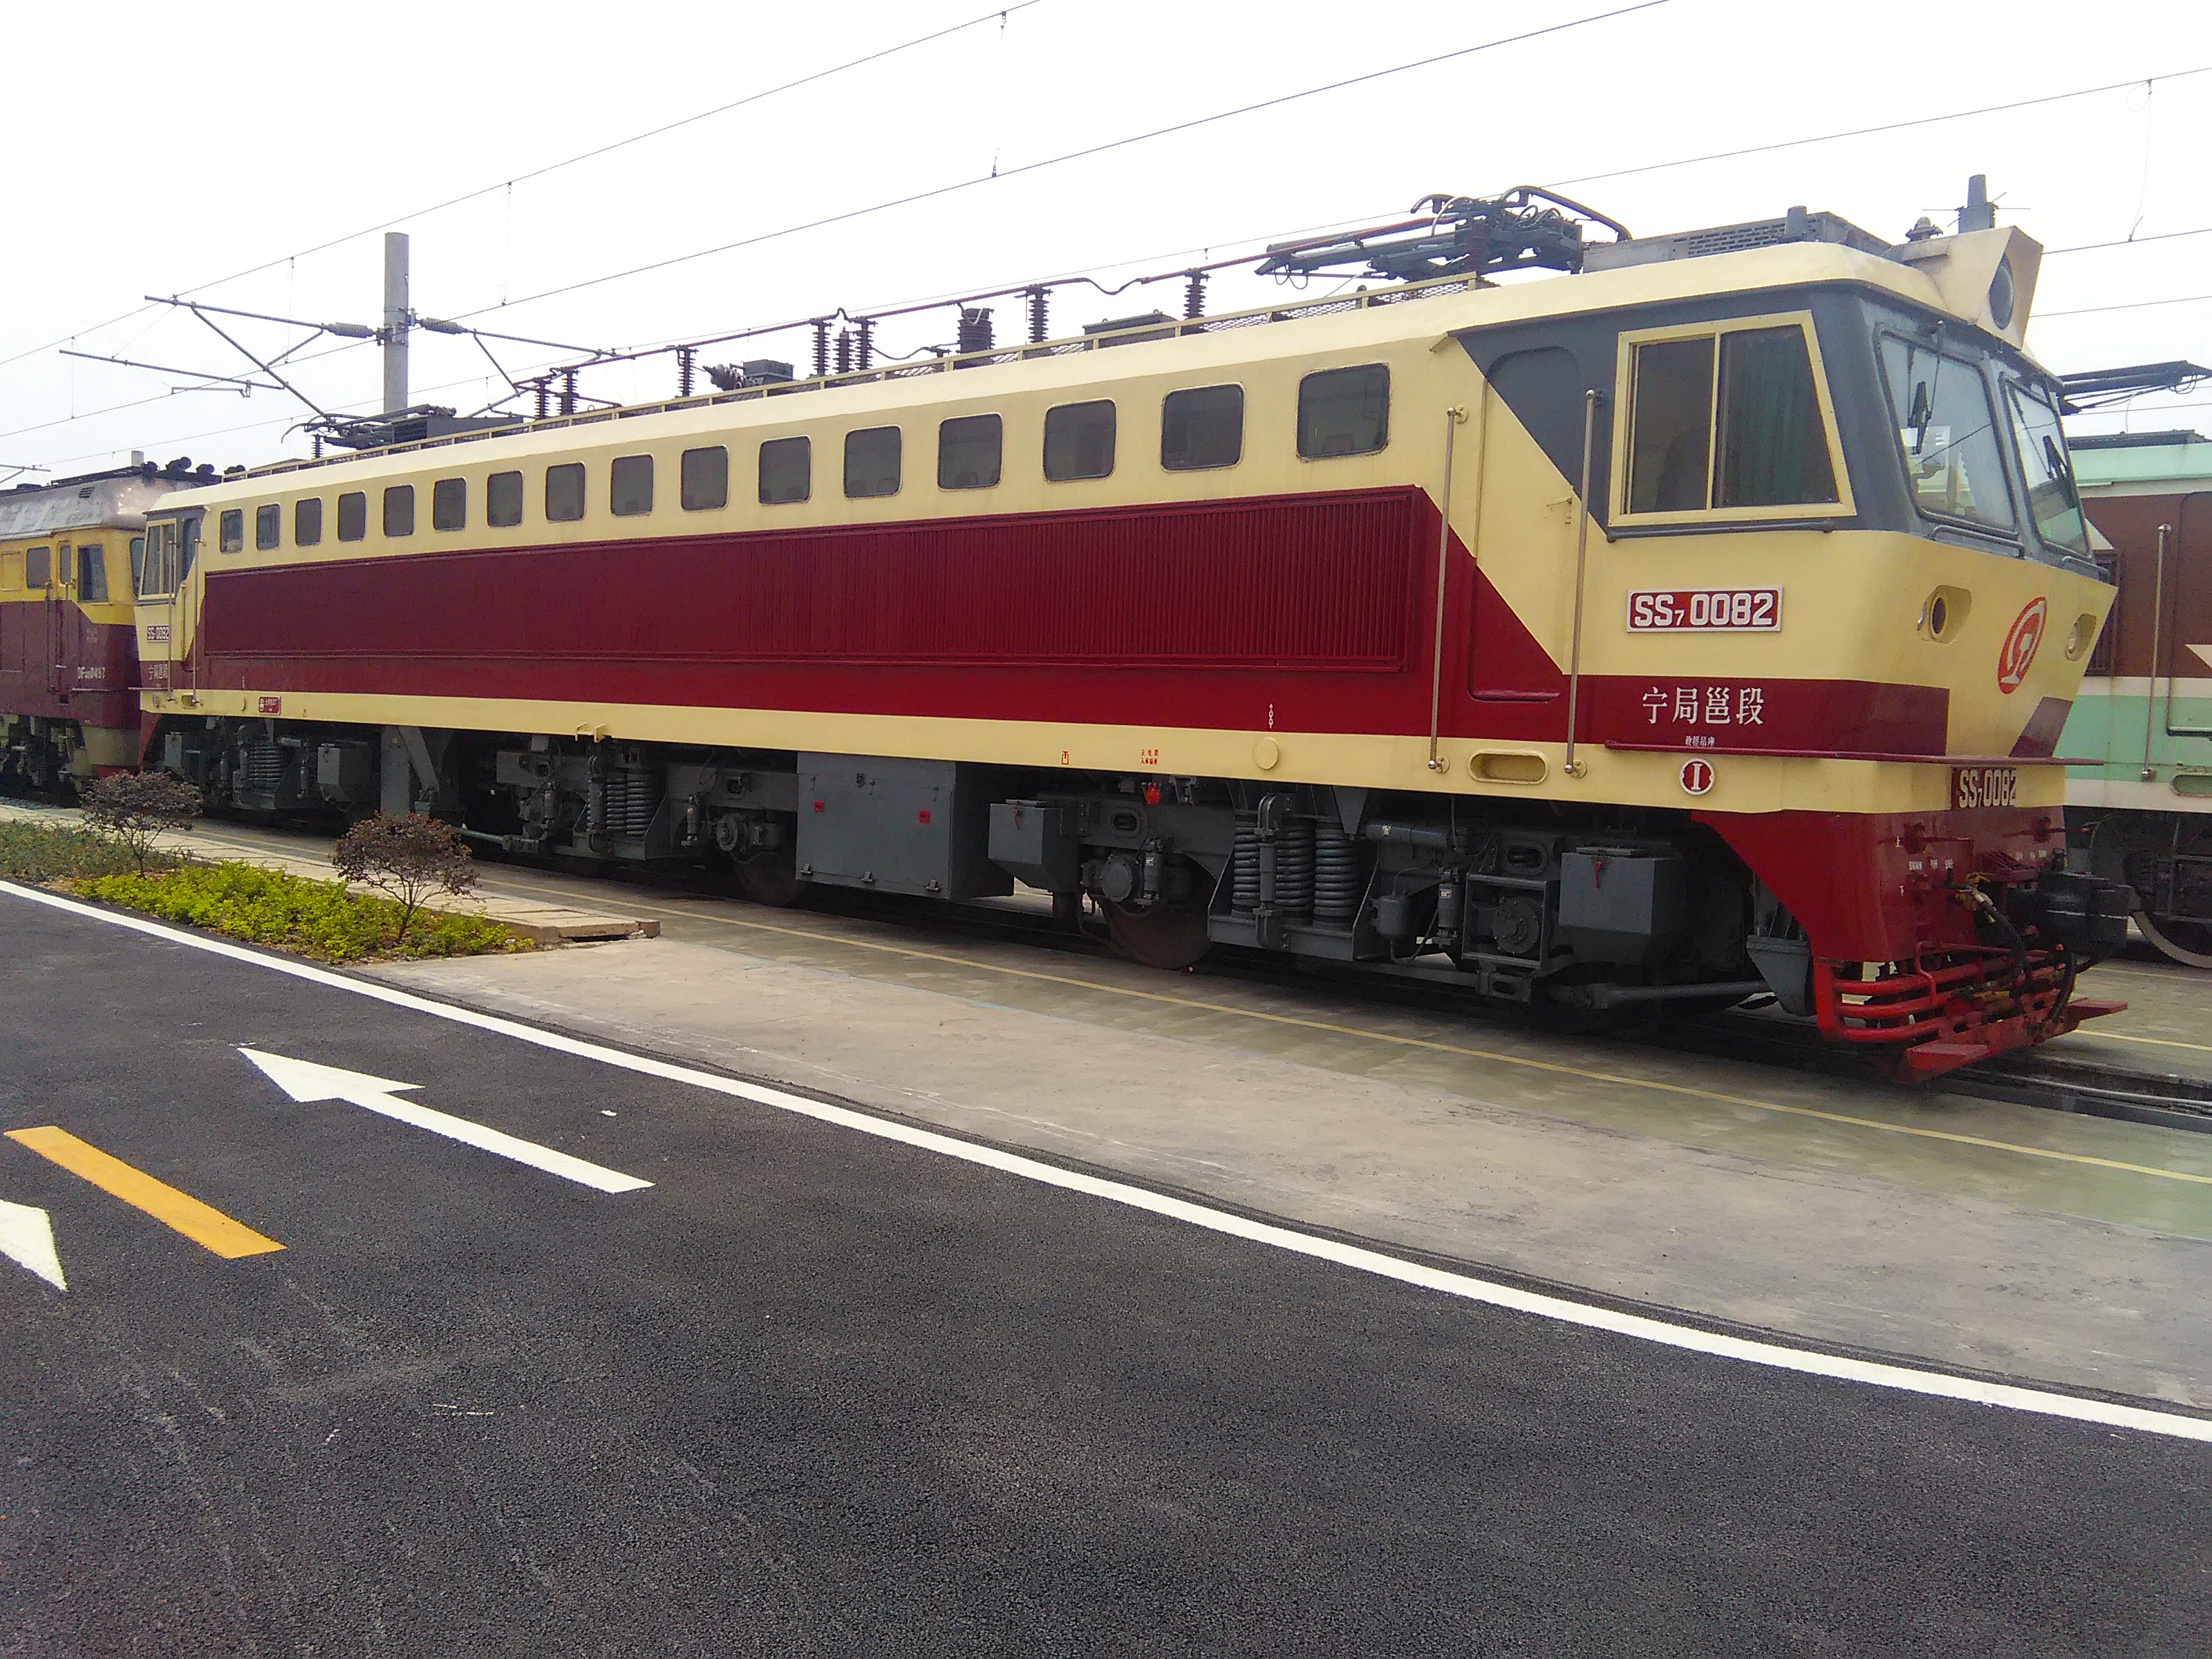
(816, 1393)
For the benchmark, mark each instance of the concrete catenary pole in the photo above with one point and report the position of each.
(396, 321)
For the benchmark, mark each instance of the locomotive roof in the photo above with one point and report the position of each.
(97, 500)
(1920, 274)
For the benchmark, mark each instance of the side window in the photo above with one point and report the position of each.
(399, 510)
(230, 531)
(629, 489)
(1079, 441)
(786, 467)
(151, 556)
(37, 567)
(138, 564)
(703, 480)
(1670, 426)
(1773, 445)
(503, 499)
(307, 521)
(449, 504)
(1727, 419)
(564, 492)
(871, 461)
(1202, 426)
(1344, 412)
(968, 452)
(353, 516)
(92, 575)
(268, 527)
(1947, 432)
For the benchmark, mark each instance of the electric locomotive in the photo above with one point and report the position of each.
(2140, 813)
(1693, 626)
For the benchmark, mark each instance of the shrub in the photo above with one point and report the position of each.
(318, 918)
(410, 859)
(132, 809)
(48, 853)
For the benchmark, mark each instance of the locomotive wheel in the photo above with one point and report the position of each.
(1171, 937)
(771, 879)
(2189, 942)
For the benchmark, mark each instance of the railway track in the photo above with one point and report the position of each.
(2083, 1087)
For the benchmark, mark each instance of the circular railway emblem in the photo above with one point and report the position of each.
(2018, 654)
(1697, 776)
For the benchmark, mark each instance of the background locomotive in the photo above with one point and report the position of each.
(1696, 626)
(2144, 815)
(70, 553)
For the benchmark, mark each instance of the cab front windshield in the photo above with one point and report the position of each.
(2052, 501)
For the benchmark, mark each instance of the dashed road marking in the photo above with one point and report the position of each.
(201, 1223)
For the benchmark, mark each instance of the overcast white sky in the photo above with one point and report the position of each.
(180, 147)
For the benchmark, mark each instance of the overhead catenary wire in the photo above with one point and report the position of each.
(1002, 173)
(1880, 127)
(997, 14)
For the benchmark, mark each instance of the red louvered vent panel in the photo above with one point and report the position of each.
(1303, 581)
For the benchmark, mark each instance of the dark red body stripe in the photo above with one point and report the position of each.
(1312, 609)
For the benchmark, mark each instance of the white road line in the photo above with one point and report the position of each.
(306, 1083)
(1643, 1327)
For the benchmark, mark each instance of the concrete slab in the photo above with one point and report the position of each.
(1994, 1237)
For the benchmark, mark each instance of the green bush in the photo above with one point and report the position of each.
(320, 918)
(44, 852)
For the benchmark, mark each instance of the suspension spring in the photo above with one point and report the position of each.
(1338, 885)
(1294, 870)
(1244, 865)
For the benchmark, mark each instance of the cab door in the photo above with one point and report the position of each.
(63, 632)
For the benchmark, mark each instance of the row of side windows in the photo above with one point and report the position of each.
(1341, 411)
(36, 568)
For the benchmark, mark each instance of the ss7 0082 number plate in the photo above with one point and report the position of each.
(1705, 611)
(1984, 786)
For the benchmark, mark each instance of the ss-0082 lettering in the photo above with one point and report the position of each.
(1705, 609)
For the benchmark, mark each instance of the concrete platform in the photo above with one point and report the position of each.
(1998, 1238)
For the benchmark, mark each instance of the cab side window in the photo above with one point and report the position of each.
(39, 567)
(1726, 418)
(91, 575)
(230, 531)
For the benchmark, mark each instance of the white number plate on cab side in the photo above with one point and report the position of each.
(1984, 786)
(1705, 611)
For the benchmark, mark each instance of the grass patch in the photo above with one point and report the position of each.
(43, 852)
(318, 918)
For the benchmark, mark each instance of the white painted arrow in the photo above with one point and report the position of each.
(27, 1237)
(306, 1082)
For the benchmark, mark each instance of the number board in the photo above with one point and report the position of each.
(1984, 786)
(1705, 611)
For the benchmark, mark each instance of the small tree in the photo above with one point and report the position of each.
(133, 808)
(408, 858)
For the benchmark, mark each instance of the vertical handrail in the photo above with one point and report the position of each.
(1574, 767)
(2157, 628)
(1453, 416)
